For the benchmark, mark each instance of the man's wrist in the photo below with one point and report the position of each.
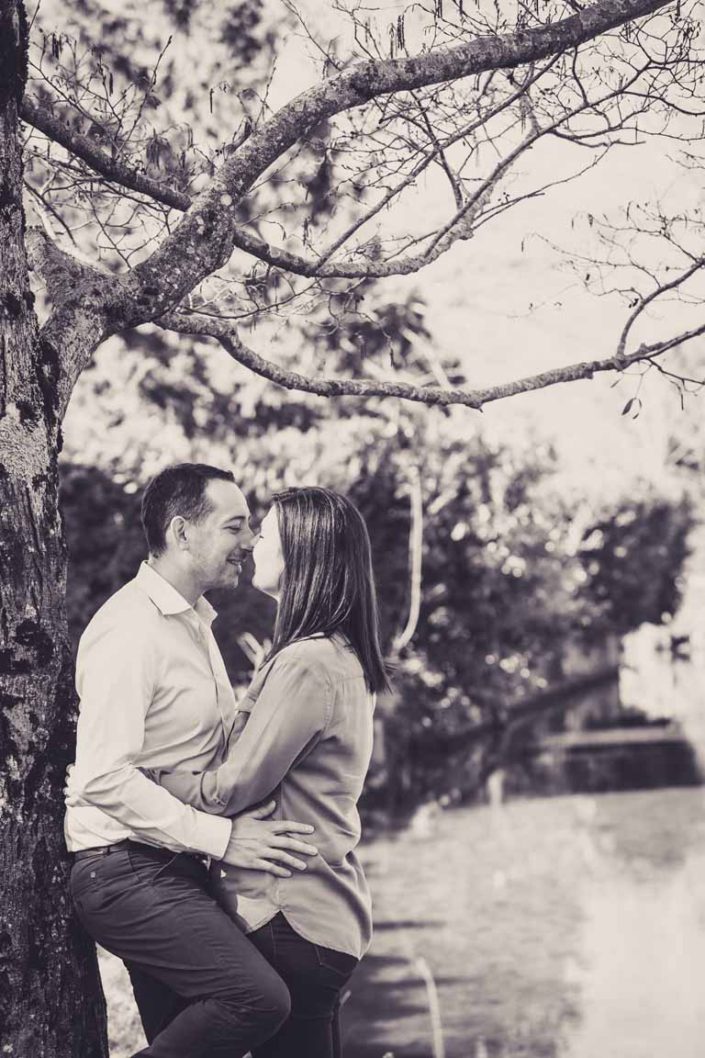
(215, 835)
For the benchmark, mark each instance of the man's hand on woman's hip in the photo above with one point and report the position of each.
(261, 844)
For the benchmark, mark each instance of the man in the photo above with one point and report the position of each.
(155, 694)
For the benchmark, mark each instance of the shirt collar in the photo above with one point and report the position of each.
(167, 599)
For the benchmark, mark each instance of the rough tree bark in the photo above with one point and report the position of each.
(50, 999)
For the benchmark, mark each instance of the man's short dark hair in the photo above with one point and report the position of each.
(177, 490)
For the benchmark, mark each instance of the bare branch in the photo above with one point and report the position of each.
(211, 327)
(204, 239)
(85, 148)
(62, 272)
(197, 324)
(438, 149)
(116, 171)
(662, 288)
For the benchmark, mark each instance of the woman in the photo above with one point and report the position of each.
(307, 742)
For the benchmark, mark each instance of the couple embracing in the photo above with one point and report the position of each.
(213, 842)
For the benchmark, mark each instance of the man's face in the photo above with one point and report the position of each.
(221, 541)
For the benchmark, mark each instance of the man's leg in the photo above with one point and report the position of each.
(157, 1003)
(153, 910)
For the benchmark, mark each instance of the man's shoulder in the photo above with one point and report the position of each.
(128, 610)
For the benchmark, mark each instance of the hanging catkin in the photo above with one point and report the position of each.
(400, 32)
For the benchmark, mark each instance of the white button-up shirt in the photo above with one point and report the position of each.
(154, 694)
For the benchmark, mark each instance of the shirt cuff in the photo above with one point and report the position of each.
(214, 835)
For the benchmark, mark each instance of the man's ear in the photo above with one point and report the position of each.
(178, 530)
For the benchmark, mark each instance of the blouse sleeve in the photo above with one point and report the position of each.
(289, 716)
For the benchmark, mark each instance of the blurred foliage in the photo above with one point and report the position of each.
(630, 560)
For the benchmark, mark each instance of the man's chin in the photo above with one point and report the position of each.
(230, 578)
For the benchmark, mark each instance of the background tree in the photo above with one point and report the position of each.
(144, 218)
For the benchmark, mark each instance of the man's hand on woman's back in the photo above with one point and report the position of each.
(262, 844)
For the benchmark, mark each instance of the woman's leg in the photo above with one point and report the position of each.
(315, 977)
(336, 1036)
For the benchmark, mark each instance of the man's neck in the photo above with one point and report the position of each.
(165, 566)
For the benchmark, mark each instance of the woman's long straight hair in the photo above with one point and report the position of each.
(328, 584)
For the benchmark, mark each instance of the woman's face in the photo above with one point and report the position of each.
(269, 561)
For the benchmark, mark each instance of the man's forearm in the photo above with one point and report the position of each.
(149, 812)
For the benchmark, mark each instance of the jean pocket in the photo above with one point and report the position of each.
(167, 866)
(91, 874)
(82, 877)
(96, 882)
(340, 963)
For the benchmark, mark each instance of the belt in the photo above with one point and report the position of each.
(101, 850)
(127, 843)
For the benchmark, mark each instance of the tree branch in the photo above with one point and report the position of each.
(99, 160)
(76, 325)
(647, 300)
(246, 240)
(199, 325)
(204, 239)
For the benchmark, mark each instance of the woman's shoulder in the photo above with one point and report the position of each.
(312, 650)
(328, 656)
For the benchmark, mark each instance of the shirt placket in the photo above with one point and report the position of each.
(225, 698)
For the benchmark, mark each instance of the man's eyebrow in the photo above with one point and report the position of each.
(234, 518)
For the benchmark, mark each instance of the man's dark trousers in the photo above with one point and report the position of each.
(203, 990)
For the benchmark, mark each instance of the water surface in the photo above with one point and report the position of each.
(567, 928)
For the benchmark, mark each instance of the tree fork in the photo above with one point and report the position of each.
(51, 1002)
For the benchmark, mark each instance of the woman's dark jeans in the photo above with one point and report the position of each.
(203, 990)
(315, 977)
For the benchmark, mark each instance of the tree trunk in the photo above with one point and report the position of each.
(51, 1002)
